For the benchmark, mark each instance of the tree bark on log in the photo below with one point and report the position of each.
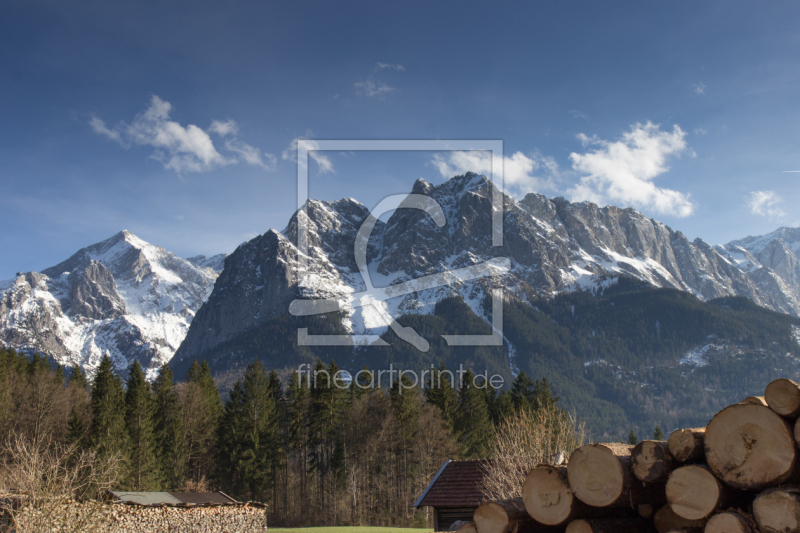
(610, 525)
(666, 520)
(497, 517)
(783, 397)
(694, 493)
(749, 446)
(778, 510)
(600, 475)
(760, 400)
(651, 461)
(731, 521)
(686, 445)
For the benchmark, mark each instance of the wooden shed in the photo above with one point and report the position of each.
(454, 492)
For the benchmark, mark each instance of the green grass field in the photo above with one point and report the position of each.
(348, 530)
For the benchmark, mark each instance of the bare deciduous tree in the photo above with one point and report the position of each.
(48, 486)
(528, 438)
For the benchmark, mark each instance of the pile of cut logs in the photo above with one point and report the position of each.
(740, 474)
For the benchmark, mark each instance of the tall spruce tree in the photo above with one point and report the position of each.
(474, 425)
(249, 433)
(143, 471)
(168, 430)
(107, 433)
(441, 393)
(203, 421)
(326, 410)
(297, 396)
(522, 391)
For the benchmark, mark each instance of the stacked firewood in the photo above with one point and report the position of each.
(740, 474)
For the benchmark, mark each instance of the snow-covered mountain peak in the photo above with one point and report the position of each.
(122, 296)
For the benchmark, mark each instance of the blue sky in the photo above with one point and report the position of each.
(171, 119)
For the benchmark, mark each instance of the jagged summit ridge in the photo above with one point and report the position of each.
(121, 296)
(553, 246)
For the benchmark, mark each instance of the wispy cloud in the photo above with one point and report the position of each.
(521, 173)
(764, 203)
(323, 161)
(373, 87)
(699, 88)
(381, 66)
(700, 131)
(623, 171)
(182, 148)
(223, 129)
(578, 114)
(100, 128)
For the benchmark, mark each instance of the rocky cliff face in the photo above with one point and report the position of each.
(122, 296)
(553, 246)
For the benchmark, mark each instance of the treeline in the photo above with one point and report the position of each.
(316, 451)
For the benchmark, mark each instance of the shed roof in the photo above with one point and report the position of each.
(146, 498)
(203, 497)
(173, 498)
(457, 484)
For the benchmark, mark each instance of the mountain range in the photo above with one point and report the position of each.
(135, 300)
(123, 297)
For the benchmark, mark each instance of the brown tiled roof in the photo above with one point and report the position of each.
(458, 485)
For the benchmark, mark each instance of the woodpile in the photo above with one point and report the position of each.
(119, 517)
(740, 474)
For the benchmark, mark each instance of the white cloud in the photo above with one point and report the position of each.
(375, 88)
(763, 203)
(700, 131)
(623, 171)
(372, 88)
(183, 149)
(577, 114)
(381, 66)
(251, 155)
(99, 127)
(229, 127)
(323, 162)
(521, 173)
(700, 88)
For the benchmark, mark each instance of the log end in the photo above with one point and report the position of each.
(650, 460)
(750, 447)
(783, 397)
(547, 495)
(731, 522)
(693, 492)
(596, 474)
(778, 510)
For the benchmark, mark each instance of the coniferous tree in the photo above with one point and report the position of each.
(658, 434)
(543, 395)
(326, 409)
(78, 377)
(474, 425)
(201, 409)
(500, 404)
(522, 391)
(168, 430)
(297, 395)
(139, 407)
(249, 433)
(632, 438)
(440, 392)
(107, 433)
